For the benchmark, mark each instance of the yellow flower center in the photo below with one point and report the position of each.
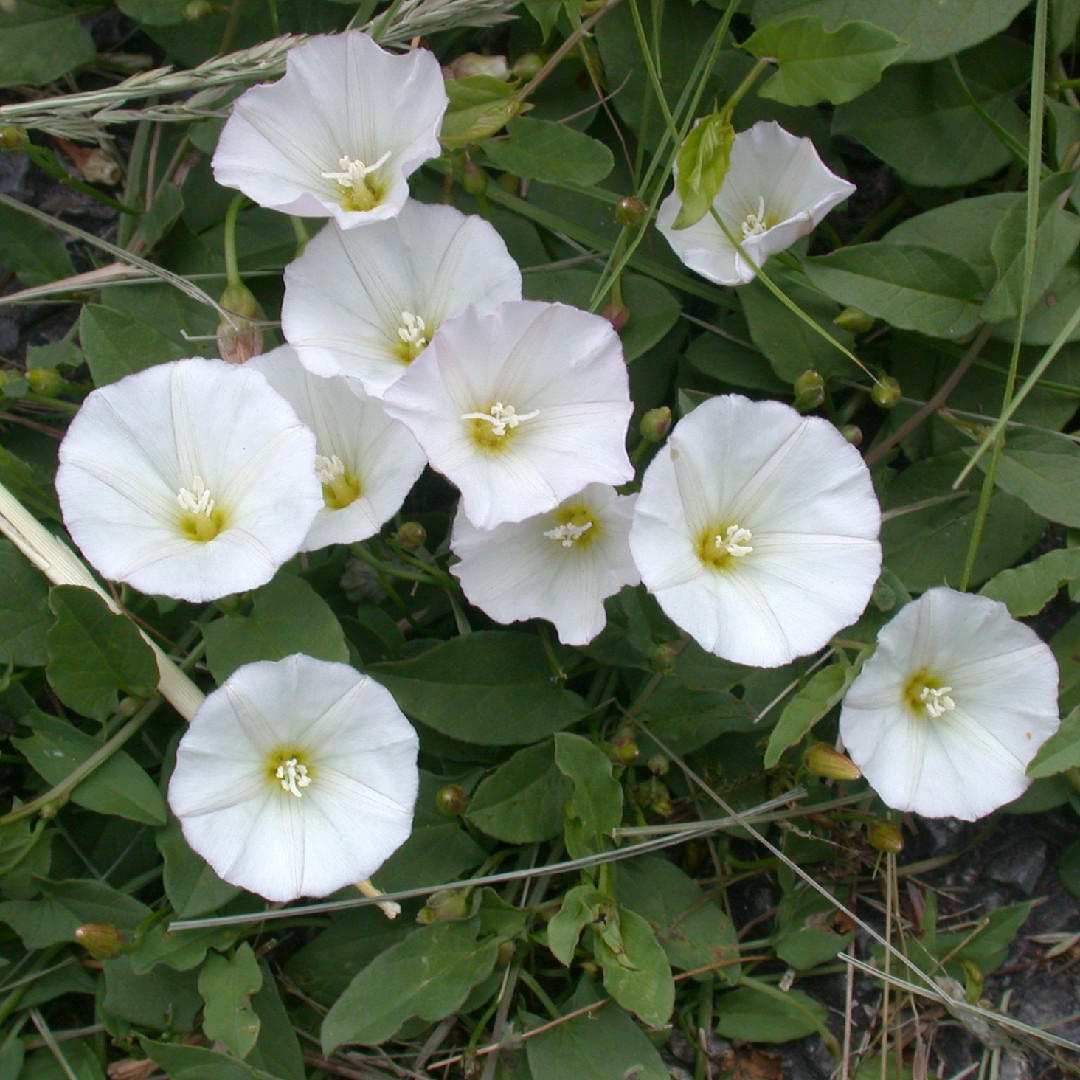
(201, 519)
(340, 487)
(413, 337)
(757, 221)
(576, 528)
(288, 769)
(720, 547)
(359, 187)
(926, 695)
(491, 430)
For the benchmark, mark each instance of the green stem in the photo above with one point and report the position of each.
(47, 162)
(743, 88)
(232, 25)
(232, 268)
(300, 232)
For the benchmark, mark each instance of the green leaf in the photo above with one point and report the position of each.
(25, 854)
(920, 121)
(226, 985)
(493, 688)
(801, 936)
(117, 344)
(816, 65)
(764, 1014)
(1069, 868)
(522, 801)
(809, 704)
(686, 718)
(191, 886)
(933, 28)
(429, 975)
(551, 153)
(701, 166)
(161, 215)
(29, 248)
(161, 999)
(24, 609)
(95, 654)
(1026, 590)
(66, 905)
(80, 1061)
(180, 951)
(287, 616)
(1042, 470)
(118, 786)
(154, 12)
(581, 906)
(40, 41)
(637, 975)
(180, 1062)
(1061, 751)
(480, 106)
(278, 1049)
(909, 287)
(598, 798)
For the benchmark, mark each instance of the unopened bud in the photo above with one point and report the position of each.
(473, 179)
(100, 940)
(447, 905)
(616, 314)
(46, 381)
(630, 212)
(505, 953)
(824, 760)
(470, 63)
(238, 338)
(885, 836)
(655, 424)
(199, 10)
(452, 800)
(98, 167)
(509, 182)
(411, 536)
(13, 139)
(130, 1069)
(663, 658)
(624, 749)
(851, 318)
(853, 434)
(659, 765)
(809, 390)
(528, 65)
(886, 391)
(884, 596)
(654, 796)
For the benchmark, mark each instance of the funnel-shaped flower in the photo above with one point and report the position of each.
(776, 190)
(520, 408)
(192, 479)
(338, 134)
(365, 303)
(756, 530)
(365, 461)
(296, 778)
(944, 718)
(559, 566)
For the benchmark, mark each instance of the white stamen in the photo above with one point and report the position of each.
(735, 541)
(568, 533)
(293, 777)
(755, 223)
(413, 330)
(501, 417)
(353, 172)
(329, 469)
(937, 700)
(196, 499)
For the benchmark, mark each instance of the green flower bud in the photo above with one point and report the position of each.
(100, 940)
(659, 765)
(663, 658)
(473, 179)
(13, 139)
(527, 66)
(616, 314)
(886, 391)
(238, 338)
(809, 389)
(853, 434)
(885, 836)
(823, 760)
(46, 381)
(624, 749)
(452, 800)
(655, 424)
(470, 63)
(199, 10)
(851, 318)
(411, 536)
(630, 212)
(447, 905)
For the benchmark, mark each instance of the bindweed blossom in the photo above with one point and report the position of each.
(365, 303)
(560, 565)
(756, 530)
(193, 479)
(520, 408)
(339, 134)
(945, 716)
(365, 461)
(776, 189)
(297, 777)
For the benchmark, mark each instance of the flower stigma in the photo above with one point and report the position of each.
(201, 519)
(489, 429)
(925, 694)
(293, 775)
(576, 527)
(357, 191)
(340, 487)
(413, 335)
(718, 548)
(755, 223)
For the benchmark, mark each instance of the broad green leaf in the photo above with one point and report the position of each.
(522, 801)
(493, 688)
(806, 707)
(95, 654)
(599, 1046)
(686, 718)
(637, 975)
(154, 12)
(909, 287)
(12, 1057)
(933, 28)
(66, 905)
(277, 1050)
(80, 1061)
(690, 927)
(287, 616)
(25, 855)
(1043, 470)
(988, 948)
(701, 166)
(429, 975)
(480, 106)
(181, 1062)
(598, 798)
(816, 65)
(1026, 590)
(161, 999)
(40, 41)
(581, 906)
(764, 1014)
(161, 215)
(920, 121)
(1069, 868)
(730, 358)
(117, 344)
(191, 886)
(549, 152)
(181, 951)
(30, 249)
(24, 609)
(118, 786)
(226, 985)
(1061, 751)
(802, 937)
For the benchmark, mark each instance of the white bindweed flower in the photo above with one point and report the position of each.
(944, 718)
(520, 408)
(192, 479)
(756, 530)
(296, 778)
(338, 135)
(365, 462)
(559, 566)
(776, 190)
(365, 303)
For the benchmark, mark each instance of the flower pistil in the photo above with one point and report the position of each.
(414, 336)
(489, 429)
(925, 694)
(201, 519)
(357, 191)
(340, 487)
(576, 527)
(717, 547)
(756, 222)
